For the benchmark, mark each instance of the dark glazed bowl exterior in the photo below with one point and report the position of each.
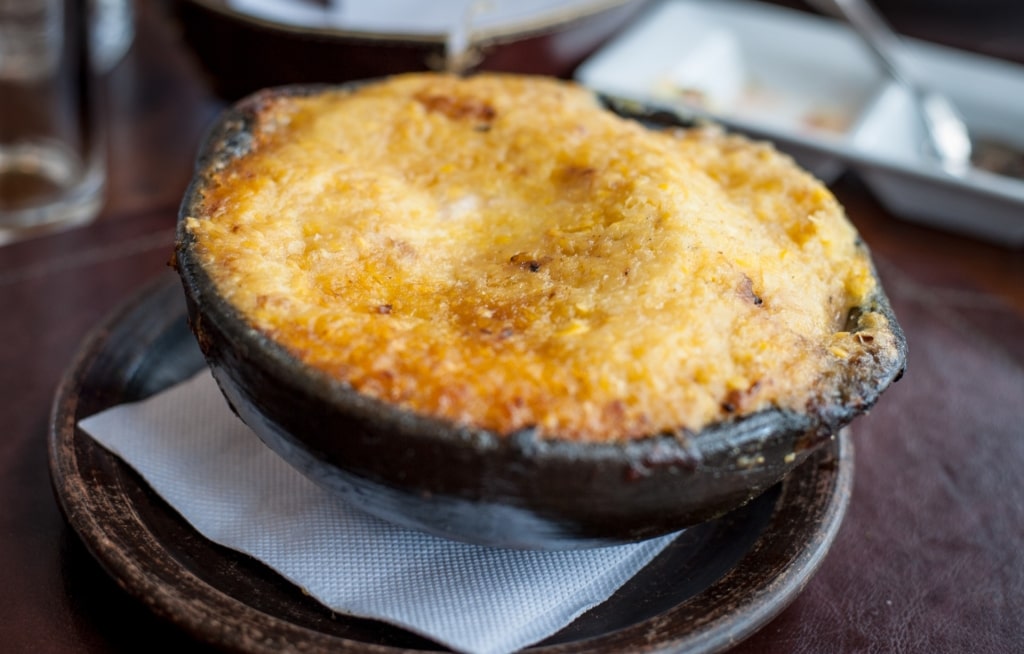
(473, 485)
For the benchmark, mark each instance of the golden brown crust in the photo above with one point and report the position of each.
(501, 252)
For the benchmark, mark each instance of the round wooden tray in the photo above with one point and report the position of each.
(715, 585)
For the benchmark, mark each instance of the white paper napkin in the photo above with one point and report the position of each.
(197, 455)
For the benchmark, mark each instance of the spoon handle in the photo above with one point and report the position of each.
(944, 126)
(882, 41)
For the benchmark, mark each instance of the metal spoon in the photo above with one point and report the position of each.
(944, 126)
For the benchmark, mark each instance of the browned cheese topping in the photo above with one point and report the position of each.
(502, 252)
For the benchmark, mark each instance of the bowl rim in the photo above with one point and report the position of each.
(723, 446)
(230, 138)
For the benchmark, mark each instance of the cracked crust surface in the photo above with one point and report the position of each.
(502, 252)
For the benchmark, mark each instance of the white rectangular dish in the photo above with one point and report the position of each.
(809, 84)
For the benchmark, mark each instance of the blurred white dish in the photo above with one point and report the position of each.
(808, 84)
(415, 17)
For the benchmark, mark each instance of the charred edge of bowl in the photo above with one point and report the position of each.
(865, 384)
(654, 117)
(231, 137)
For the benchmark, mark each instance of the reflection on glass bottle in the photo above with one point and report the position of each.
(30, 38)
(112, 28)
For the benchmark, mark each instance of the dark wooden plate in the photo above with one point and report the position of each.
(716, 584)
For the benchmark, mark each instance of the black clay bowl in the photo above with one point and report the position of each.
(474, 485)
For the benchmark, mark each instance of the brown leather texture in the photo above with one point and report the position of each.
(929, 558)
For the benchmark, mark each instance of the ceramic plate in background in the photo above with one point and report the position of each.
(247, 45)
(808, 84)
